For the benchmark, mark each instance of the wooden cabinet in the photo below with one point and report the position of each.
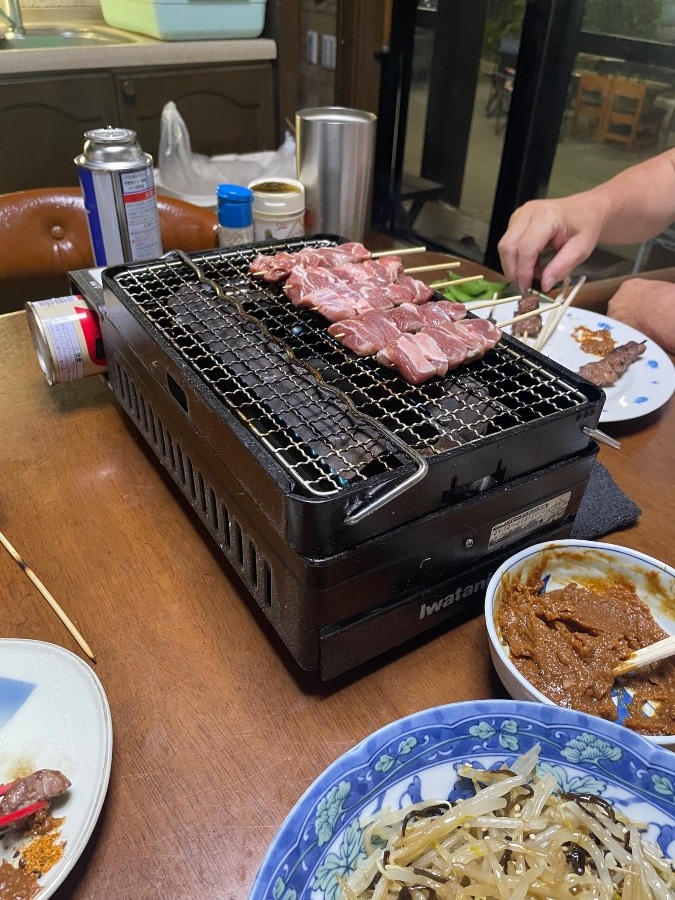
(227, 109)
(42, 121)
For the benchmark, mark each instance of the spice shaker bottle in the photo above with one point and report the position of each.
(278, 208)
(235, 215)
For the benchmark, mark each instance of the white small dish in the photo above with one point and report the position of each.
(54, 715)
(584, 562)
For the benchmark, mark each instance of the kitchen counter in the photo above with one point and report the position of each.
(230, 93)
(143, 51)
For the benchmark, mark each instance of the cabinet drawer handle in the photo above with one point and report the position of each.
(128, 89)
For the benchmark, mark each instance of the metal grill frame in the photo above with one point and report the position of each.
(314, 521)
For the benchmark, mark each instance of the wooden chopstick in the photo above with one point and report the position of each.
(48, 597)
(528, 315)
(652, 653)
(495, 300)
(547, 332)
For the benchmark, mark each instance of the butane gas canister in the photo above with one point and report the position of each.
(120, 198)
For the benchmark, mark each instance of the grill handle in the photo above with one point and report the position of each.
(601, 437)
(422, 467)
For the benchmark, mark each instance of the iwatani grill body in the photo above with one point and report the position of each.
(357, 509)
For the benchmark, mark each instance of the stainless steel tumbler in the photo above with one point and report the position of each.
(334, 161)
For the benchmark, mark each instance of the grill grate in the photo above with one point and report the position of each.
(322, 445)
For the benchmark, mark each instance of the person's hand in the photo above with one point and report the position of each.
(570, 227)
(648, 306)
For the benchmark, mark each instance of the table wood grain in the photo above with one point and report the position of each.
(216, 733)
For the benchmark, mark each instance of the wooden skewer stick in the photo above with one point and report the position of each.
(527, 315)
(644, 656)
(48, 597)
(481, 304)
(441, 284)
(434, 268)
(397, 251)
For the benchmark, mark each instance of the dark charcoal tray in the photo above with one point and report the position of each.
(304, 458)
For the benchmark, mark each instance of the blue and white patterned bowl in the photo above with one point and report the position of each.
(587, 563)
(416, 758)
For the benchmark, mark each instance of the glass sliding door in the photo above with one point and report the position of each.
(473, 96)
(621, 112)
(485, 104)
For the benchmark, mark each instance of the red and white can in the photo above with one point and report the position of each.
(66, 334)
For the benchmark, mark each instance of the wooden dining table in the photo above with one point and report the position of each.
(216, 732)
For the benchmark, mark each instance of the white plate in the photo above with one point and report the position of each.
(647, 384)
(54, 715)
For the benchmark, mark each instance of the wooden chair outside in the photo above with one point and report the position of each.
(632, 119)
(591, 105)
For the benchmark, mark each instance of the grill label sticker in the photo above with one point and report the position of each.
(531, 519)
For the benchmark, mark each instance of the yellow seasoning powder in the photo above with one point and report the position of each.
(43, 852)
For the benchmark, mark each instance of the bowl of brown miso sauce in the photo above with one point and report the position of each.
(562, 615)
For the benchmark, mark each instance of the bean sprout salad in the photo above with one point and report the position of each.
(518, 838)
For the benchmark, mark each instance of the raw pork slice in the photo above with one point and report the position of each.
(450, 344)
(366, 334)
(408, 358)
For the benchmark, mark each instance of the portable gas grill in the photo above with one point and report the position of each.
(358, 510)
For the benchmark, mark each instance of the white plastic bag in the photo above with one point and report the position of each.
(194, 175)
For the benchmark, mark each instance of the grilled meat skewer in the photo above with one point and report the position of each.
(531, 326)
(606, 372)
(369, 333)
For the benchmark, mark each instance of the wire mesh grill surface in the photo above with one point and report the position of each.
(271, 384)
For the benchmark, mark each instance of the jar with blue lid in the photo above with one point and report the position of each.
(235, 215)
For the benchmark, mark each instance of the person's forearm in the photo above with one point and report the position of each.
(648, 306)
(636, 204)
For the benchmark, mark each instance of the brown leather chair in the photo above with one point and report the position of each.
(44, 235)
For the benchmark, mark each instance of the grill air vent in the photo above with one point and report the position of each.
(241, 552)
